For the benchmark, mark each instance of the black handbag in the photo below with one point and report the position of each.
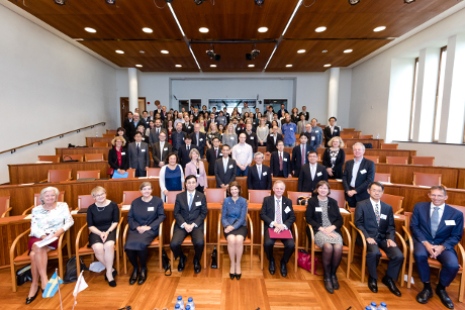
(165, 261)
(71, 272)
(23, 275)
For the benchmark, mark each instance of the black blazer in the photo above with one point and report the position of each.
(306, 184)
(365, 175)
(327, 133)
(221, 176)
(270, 145)
(211, 159)
(177, 140)
(188, 128)
(340, 159)
(267, 213)
(183, 155)
(202, 142)
(198, 210)
(314, 218)
(113, 159)
(252, 140)
(365, 220)
(296, 162)
(254, 182)
(157, 158)
(274, 164)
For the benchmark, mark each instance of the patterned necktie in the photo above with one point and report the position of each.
(277, 212)
(303, 155)
(190, 201)
(435, 221)
(377, 213)
(280, 161)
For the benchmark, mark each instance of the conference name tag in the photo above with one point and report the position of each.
(334, 130)
(264, 173)
(363, 171)
(201, 139)
(151, 209)
(143, 150)
(450, 222)
(230, 166)
(383, 216)
(198, 203)
(318, 209)
(165, 149)
(123, 153)
(251, 138)
(313, 139)
(287, 210)
(232, 138)
(285, 159)
(319, 174)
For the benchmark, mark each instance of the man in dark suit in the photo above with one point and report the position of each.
(331, 130)
(225, 168)
(436, 229)
(358, 174)
(299, 155)
(280, 162)
(311, 174)
(305, 113)
(376, 221)
(184, 151)
(155, 132)
(190, 210)
(251, 137)
(188, 126)
(272, 139)
(160, 151)
(178, 137)
(282, 112)
(277, 213)
(138, 154)
(199, 139)
(259, 175)
(127, 125)
(212, 155)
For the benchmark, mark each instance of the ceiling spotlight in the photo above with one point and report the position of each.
(198, 2)
(409, 1)
(212, 55)
(60, 2)
(110, 2)
(354, 2)
(259, 2)
(253, 54)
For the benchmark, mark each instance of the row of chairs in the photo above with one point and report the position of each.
(403, 160)
(88, 157)
(419, 178)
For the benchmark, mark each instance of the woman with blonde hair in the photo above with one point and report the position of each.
(197, 168)
(334, 158)
(230, 136)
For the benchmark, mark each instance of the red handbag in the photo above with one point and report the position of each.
(304, 260)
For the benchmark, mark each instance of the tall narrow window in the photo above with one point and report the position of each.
(414, 99)
(439, 93)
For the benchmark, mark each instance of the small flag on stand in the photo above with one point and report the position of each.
(52, 286)
(81, 285)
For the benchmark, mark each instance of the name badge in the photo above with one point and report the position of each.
(198, 175)
(221, 154)
(287, 210)
(201, 139)
(165, 149)
(450, 222)
(285, 159)
(319, 174)
(188, 127)
(383, 216)
(318, 209)
(363, 171)
(143, 150)
(151, 209)
(198, 203)
(231, 138)
(123, 153)
(312, 138)
(230, 166)
(251, 138)
(334, 130)
(291, 129)
(265, 173)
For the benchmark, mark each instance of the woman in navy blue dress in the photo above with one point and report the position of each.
(171, 176)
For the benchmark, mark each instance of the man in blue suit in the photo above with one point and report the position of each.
(436, 229)
(358, 174)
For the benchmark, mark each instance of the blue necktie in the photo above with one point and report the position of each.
(435, 221)
(190, 201)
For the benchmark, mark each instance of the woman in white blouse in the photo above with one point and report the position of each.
(49, 220)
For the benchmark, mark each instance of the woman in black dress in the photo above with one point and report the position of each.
(144, 219)
(102, 219)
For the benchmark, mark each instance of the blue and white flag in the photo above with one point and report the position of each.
(52, 286)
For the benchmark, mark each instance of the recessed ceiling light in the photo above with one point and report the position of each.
(142, 51)
(139, 66)
(164, 52)
(348, 51)
(90, 30)
(212, 66)
(324, 51)
(320, 29)
(119, 52)
(380, 28)
(301, 51)
(204, 30)
(289, 66)
(251, 65)
(147, 30)
(178, 66)
(262, 29)
(327, 65)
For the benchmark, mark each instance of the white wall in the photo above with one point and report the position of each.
(48, 86)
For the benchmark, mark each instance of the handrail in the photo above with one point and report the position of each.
(61, 135)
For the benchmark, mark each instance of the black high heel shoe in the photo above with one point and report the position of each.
(31, 299)
(232, 276)
(238, 276)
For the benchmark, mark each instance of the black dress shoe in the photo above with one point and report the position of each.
(238, 276)
(283, 269)
(143, 276)
(31, 299)
(232, 276)
(197, 266)
(335, 282)
(445, 299)
(329, 285)
(133, 278)
(391, 286)
(272, 267)
(372, 285)
(424, 295)
(112, 283)
(182, 263)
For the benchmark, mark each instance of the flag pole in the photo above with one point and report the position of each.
(59, 291)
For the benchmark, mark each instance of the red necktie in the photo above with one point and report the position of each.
(280, 161)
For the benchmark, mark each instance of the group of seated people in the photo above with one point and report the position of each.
(436, 229)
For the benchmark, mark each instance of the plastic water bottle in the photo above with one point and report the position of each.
(368, 307)
(188, 307)
(180, 302)
(373, 306)
(176, 307)
(190, 303)
(382, 306)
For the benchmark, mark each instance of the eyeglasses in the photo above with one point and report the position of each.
(99, 195)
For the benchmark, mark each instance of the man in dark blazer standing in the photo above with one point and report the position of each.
(311, 174)
(190, 210)
(376, 221)
(259, 175)
(155, 132)
(282, 112)
(177, 137)
(160, 151)
(331, 130)
(199, 139)
(184, 151)
(212, 155)
(436, 229)
(280, 162)
(277, 213)
(225, 168)
(358, 174)
(299, 155)
(138, 154)
(272, 139)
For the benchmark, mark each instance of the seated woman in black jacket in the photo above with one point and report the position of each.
(117, 156)
(334, 158)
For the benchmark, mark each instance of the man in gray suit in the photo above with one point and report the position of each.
(155, 132)
(160, 151)
(225, 168)
(376, 221)
(138, 154)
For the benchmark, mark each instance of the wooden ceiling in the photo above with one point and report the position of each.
(233, 31)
